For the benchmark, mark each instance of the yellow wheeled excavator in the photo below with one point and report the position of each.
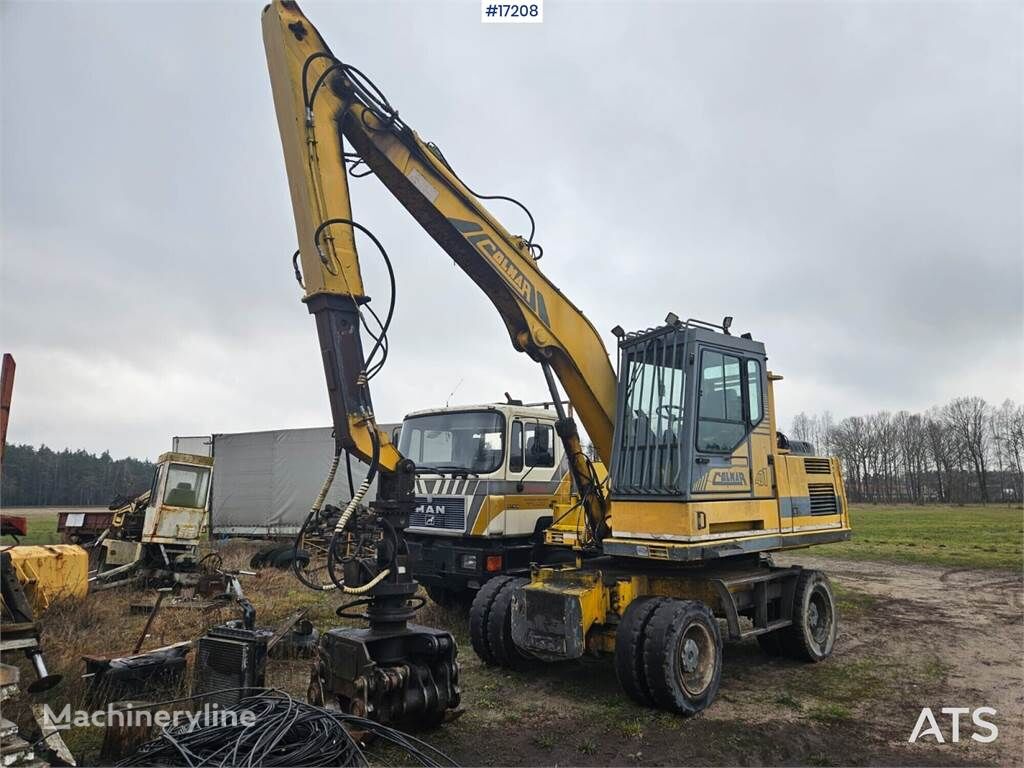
(701, 486)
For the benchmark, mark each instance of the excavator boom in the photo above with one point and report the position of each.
(322, 103)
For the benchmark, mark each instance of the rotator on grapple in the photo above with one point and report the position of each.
(391, 670)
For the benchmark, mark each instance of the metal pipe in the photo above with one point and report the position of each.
(556, 398)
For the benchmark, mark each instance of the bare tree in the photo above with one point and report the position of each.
(965, 451)
(969, 419)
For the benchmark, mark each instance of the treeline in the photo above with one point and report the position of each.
(967, 451)
(50, 478)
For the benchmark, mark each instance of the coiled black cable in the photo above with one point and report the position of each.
(283, 732)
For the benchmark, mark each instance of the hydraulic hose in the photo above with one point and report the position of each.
(314, 511)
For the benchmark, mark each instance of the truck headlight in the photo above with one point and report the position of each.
(467, 562)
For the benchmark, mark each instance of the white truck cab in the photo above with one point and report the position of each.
(488, 477)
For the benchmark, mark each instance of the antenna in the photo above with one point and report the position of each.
(452, 393)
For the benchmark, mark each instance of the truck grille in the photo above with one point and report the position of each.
(823, 499)
(817, 467)
(446, 513)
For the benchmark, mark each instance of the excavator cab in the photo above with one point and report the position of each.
(697, 471)
(169, 519)
(176, 512)
(692, 414)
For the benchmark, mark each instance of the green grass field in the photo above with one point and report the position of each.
(42, 529)
(968, 536)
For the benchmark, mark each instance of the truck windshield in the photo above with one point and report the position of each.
(465, 441)
(186, 486)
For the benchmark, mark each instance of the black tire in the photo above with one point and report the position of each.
(450, 599)
(262, 559)
(812, 634)
(499, 628)
(683, 656)
(629, 637)
(479, 614)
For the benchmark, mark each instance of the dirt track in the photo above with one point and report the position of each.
(911, 636)
(970, 619)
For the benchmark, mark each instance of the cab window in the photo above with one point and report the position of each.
(532, 446)
(186, 486)
(154, 489)
(515, 451)
(721, 422)
(754, 390)
(539, 445)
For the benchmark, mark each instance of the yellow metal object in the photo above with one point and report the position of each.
(49, 572)
(541, 321)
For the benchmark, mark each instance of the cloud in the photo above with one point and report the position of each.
(844, 179)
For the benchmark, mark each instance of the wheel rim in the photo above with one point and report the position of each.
(819, 617)
(697, 659)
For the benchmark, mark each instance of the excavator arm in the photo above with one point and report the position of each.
(321, 104)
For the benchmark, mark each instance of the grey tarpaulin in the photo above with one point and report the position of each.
(265, 482)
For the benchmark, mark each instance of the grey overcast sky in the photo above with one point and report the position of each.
(843, 178)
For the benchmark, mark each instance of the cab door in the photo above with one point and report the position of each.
(534, 459)
(721, 464)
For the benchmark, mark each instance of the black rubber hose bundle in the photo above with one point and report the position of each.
(284, 732)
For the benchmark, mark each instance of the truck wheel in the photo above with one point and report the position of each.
(499, 628)
(479, 614)
(629, 659)
(815, 619)
(450, 599)
(683, 656)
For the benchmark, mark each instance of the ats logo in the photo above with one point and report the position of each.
(514, 276)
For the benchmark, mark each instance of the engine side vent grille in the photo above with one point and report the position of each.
(823, 499)
(817, 467)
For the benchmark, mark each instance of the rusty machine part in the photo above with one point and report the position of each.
(391, 671)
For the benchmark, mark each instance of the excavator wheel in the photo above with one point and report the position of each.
(629, 637)
(479, 616)
(815, 625)
(499, 628)
(683, 656)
